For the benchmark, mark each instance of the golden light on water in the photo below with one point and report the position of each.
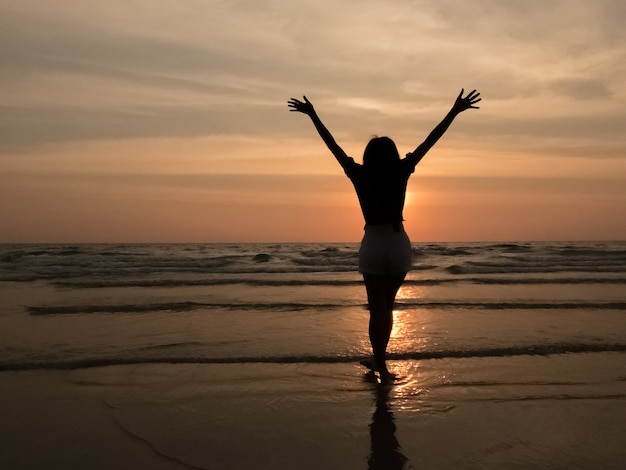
(400, 330)
(410, 292)
(402, 338)
(405, 338)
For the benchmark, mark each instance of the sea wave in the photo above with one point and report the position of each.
(96, 262)
(186, 306)
(543, 267)
(278, 282)
(522, 350)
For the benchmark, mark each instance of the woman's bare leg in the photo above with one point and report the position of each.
(381, 294)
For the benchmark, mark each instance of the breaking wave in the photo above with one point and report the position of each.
(299, 306)
(526, 350)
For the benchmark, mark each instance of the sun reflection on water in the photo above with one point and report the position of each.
(414, 389)
(410, 293)
(415, 379)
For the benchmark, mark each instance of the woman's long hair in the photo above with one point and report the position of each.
(381, 154)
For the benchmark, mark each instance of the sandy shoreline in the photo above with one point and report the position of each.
(454, 413)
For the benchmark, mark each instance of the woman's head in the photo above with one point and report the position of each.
(380, 152)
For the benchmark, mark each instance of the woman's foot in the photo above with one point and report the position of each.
(383, 372)
(386, 377)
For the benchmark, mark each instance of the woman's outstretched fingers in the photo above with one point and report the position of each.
(294, 104)
(467, 102)
(473, 97)
(300, 106)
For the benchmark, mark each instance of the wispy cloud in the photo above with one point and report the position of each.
(143, 69)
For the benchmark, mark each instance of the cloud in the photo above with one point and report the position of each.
(178, 110)
(582, 88)
(80, 71)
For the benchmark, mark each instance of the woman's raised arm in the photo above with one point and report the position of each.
(460, 104)
(306, 107)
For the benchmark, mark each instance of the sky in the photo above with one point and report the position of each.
(143, 121)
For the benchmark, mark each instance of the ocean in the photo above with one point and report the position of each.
(246, 356)
(66, 306)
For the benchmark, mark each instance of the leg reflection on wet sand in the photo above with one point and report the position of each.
(385, 452)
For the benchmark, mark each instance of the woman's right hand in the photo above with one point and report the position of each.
(304, 107)
(468, 102)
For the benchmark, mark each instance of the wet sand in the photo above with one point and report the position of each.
(563, 411)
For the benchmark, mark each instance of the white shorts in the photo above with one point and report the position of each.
(385, 250)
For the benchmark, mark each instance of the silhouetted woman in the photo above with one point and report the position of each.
(385, 255)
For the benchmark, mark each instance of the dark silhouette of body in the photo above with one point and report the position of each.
(380, 183)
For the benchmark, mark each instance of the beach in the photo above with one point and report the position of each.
(224, 357)
(524, 412)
